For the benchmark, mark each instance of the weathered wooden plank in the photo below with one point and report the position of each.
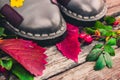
(113, 10)
(113, 6)
(86, 72)
(112, 3)
(57, 63)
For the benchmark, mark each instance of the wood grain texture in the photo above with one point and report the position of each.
(112, 3)
(58, 63)
(113, 6)
(60, 68)
(86, 72)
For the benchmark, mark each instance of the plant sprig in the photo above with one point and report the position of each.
(102, 53)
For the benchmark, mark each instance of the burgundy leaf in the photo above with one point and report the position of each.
(28, 54)
(2, 70)
(70, 46)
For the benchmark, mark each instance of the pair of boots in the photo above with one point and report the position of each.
(42, 20)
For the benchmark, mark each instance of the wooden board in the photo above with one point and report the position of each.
(58, 63)
(60, 68)
(86, 72)
(113, 6)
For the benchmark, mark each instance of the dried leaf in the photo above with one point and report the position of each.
(70, 46)
(28, 54)
(97, 33)
(107, 38)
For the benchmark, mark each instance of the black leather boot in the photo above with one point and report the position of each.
(83, 10)
(36, 19)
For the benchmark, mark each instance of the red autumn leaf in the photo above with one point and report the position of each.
(28, 54)
(70, 46)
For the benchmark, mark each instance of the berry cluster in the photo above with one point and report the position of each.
(85, 38)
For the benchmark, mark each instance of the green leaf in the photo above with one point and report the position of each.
(89, 30)
(108, 60)
(110, 50)
(108, 27)
(99, 25)
(21, 73)
(104, 32)
(111, 42)
(7, 63)
(93, 55)
(113, 34)
(98, 46)
(1, 31)
(100, 64)
(109, 19)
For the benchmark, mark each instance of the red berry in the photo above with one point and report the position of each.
(88, 39)
(116, 23)
(82, 35)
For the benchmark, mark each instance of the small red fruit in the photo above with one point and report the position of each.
(88, 39)
(82, 35)
(116, 23)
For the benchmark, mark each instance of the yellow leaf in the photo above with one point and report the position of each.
(16, 3)
(97, 33)
(118, 31)
(107, 38)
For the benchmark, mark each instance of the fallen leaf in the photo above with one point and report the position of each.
(70, 46)
(28, 54)
(97, 33)
(16, 3)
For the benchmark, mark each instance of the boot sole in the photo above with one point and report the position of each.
(28, 35)
(83, 18)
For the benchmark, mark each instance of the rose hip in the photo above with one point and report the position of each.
(88, 39)
(82, 35)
